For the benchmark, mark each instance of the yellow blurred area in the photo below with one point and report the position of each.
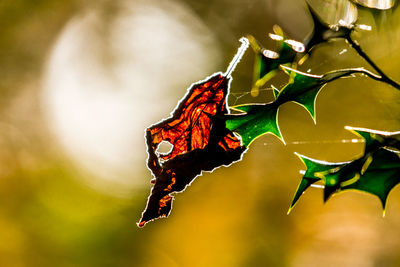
(81, 80)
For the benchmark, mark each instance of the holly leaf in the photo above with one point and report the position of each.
(200, 141)
(312, 174)
(376, 171)
(382, 175)
(259, 119)
(375, 139)
(304, 88)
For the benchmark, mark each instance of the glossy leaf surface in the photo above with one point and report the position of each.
(376, 172)
(259, 119)
(376, 4)
(324, 32)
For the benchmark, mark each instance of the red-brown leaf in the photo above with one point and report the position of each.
(200, 142)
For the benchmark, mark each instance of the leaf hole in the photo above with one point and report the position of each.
(164, 147)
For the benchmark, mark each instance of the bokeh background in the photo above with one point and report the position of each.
(80, 80)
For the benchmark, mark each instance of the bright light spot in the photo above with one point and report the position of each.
(112, 74)
(343, 23)
(275, 37)
(364, 27)
(355, 140)
(317, 186)
(302, 172)
(297, 46)
(270, 54)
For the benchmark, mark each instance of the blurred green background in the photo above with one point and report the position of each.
(81, 80)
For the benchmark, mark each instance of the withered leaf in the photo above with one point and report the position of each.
(200, 142)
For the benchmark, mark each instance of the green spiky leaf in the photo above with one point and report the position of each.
(315, 171)
(303, 90)
(373, 138)
(381, 177)
(305, 87)
(258, 120)
(376, 172)
(313, 168)
(304, 184)
(357, 169)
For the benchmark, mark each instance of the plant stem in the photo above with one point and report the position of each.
(384, 77)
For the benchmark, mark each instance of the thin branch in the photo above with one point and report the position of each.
(384, 77)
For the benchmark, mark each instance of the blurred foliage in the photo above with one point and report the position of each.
(237, 215)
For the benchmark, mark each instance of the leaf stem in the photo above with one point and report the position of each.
(384, 77)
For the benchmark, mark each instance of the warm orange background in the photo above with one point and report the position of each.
(80, 80)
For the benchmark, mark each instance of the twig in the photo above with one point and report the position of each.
(384, 77)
